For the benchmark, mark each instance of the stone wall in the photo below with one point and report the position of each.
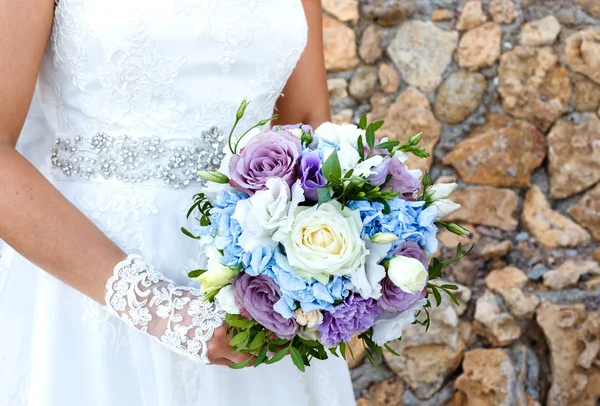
(508, 95)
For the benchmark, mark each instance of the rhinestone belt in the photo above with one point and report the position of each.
(174, 161)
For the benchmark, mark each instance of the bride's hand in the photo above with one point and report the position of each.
(220, 352)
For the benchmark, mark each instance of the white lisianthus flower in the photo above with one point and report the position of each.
(309, 320)
(364, 168)
(226, 300)
(335, 134)
(296, 132)
(324, 240)
(440, 190)
(266, 212)
(389, 326)
(444, 207)
(217, 275)
(384, 238)
(366, 279)
(408, 274)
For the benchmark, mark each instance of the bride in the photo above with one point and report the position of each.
(136, 95)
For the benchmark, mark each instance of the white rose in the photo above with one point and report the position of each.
(440, 190)
(217, 275)
(309, 320)
(324, 240)
(266, 212)
(389, 326)
(226, 300)
(444, 207)
(335, 134)
(408, 274)
(366, 279)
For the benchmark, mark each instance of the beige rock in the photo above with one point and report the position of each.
(540, 32)
(567, 275)
(386, 13)
(582, 52)
(574, 155)
(342, 117)
(486, 206)
(508, 282)
(587, 212)
(586, 93)
(338, 88)
(489, 378)
(549, 227)
(503, 11)
(591, 394)
(589, 336)
(451, 240)
(356, 348)
(422, 51)
(370, 45)
(532, 86)
(380, 103)
(493, 122)
(495, 249)
(459, 96)
(388, 78)
(384, 393)
(591, 6)
(339, 43)
(343, 10)
(409, 115)
(504, 156)
(492, 323)
(472, 16)
(362, 84)
(560, 325)
(442, 14)
(480, 47)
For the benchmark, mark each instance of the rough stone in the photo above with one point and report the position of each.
(549, 227)
(339, 43)
(388, 78)
(464, 271)
(480, 47)
(587, 212)
(343, 10)
(422, 51)
(574, 155)
(387, 13)
(503, 11)
(489, 378)
(459, 96)
(496, 249)
(342, 117)
(582, 52)
(540, 32)
(502, 157)
(560, 325)
(532, 86)
(508, 282)
(338, 88)
(586, 93)
(385, 393)
(409, 115)
(567, 275)
(380, 103)
(486, 206)
(362, 84)
(472, 16)
(591, 6)
(442, 14)
(494, 324)
(370, 45)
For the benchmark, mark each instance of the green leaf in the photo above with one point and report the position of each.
(186, 232)
(279, 342)
(390, 349)
(278, 356)
(239, 338)
(241, 364)
(240, 323)
(196, 273)
(362, 124)
(262, 355)
(449, 287)
(343, 350)
(452, 297)
(297, 358)
(331, 168)
(388, 145)
(361, 148)
(258, 340)
(436, 295)
(377, 125)
(324, 195)
(370, 136)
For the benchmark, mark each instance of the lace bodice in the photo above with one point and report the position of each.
(167, 67)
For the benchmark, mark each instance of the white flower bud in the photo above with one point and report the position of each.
(440, 190)
(445, 207)
(408, 274)
(384, 238)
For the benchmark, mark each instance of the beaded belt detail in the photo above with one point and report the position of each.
(174, 161)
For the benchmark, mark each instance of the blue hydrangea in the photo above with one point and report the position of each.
(408, 220)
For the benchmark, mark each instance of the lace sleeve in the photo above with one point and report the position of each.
(176, 316)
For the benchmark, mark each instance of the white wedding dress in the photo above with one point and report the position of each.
(153, 76)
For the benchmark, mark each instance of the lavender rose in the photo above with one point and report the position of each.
(394, 299)
(312, 179)
(354, 315)
(268, 155)
(256, 296)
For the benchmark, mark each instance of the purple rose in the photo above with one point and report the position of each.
(394, 299)
(354, 315)
(312, 179)
(256, 297)
(268, 155)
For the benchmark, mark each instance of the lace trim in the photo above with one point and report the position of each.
(184, 323)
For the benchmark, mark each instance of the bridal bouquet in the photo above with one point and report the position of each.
(313, 237)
